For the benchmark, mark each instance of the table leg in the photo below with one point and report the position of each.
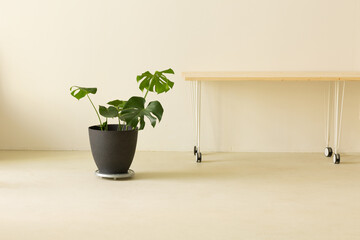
(197, 116)
(328, 150)
(338, 118)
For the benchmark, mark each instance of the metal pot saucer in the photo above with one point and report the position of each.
(116, 176)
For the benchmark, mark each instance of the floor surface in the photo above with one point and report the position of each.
(55, 195)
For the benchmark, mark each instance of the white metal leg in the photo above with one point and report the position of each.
(338, 111)
(328, 115)
(194, 106)
(339, 103)
(198, 117)
(328, 150)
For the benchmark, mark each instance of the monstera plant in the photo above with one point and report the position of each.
(113, 145)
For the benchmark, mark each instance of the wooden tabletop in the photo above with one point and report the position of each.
(272, 76)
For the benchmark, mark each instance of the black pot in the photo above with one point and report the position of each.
(112, 150)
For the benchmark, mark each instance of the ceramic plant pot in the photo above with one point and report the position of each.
(112, 150)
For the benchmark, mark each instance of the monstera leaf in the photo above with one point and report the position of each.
(134, 112)
(156, 82)
(109, 112)
(80, 92)
(119, 104)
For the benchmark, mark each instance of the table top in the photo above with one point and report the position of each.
(272, 76)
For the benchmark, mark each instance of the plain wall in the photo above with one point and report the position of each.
(48, 46)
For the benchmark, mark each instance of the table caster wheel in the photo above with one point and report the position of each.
(336, 158)
(198, 157)
(328, 152)
(195, 150)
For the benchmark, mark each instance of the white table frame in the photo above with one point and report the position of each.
(337, 79)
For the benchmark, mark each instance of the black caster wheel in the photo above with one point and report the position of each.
(195, 150)
(336, 158)
(198, 157)
(328, 152)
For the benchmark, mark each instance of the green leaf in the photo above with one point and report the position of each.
(155, 108)
(136, 102)
(134, 112)
(142, 123)
(119, 104)
(145, 74)
(156, 82)
(168, 71)
(80, 92)
(109, 112)
(145, 83)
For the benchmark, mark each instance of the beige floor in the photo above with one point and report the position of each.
(55, 195)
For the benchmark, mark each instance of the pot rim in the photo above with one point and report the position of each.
(97, 128)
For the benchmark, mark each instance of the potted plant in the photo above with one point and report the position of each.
(113, 145)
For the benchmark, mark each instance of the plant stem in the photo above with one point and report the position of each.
(119, 127)
(95, 111)
(146, 93)
(149, 86)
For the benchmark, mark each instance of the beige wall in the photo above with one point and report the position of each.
(358, 36)
(47, 46)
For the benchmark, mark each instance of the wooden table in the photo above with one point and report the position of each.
(338, 79)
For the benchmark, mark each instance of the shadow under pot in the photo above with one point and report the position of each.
(113, 150)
